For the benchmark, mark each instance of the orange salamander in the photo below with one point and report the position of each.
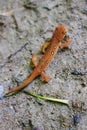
(49, 49)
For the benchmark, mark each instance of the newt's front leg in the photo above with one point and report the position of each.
(45, 46)
(66, 44)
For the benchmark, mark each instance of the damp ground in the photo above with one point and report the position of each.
(24, 27)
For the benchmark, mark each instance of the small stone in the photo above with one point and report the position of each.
(76, 119)
(85, 9)
(36, 128)
(1, 92)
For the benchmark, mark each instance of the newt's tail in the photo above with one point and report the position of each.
(24, 84)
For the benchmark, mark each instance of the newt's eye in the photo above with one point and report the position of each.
(64, 33)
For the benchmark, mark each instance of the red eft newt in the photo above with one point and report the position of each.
(49, 49)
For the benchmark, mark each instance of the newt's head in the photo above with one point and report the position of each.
(60, 33)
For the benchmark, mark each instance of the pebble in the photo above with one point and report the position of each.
(1, 91)
(76, 119)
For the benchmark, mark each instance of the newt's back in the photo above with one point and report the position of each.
(49, 55)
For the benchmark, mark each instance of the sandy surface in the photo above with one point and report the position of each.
(22, 35)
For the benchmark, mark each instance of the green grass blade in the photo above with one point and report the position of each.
(47, 98)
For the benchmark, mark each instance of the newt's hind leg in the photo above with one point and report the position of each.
(34, 60)
(45, 46)
(45, 77)
(43, 49)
